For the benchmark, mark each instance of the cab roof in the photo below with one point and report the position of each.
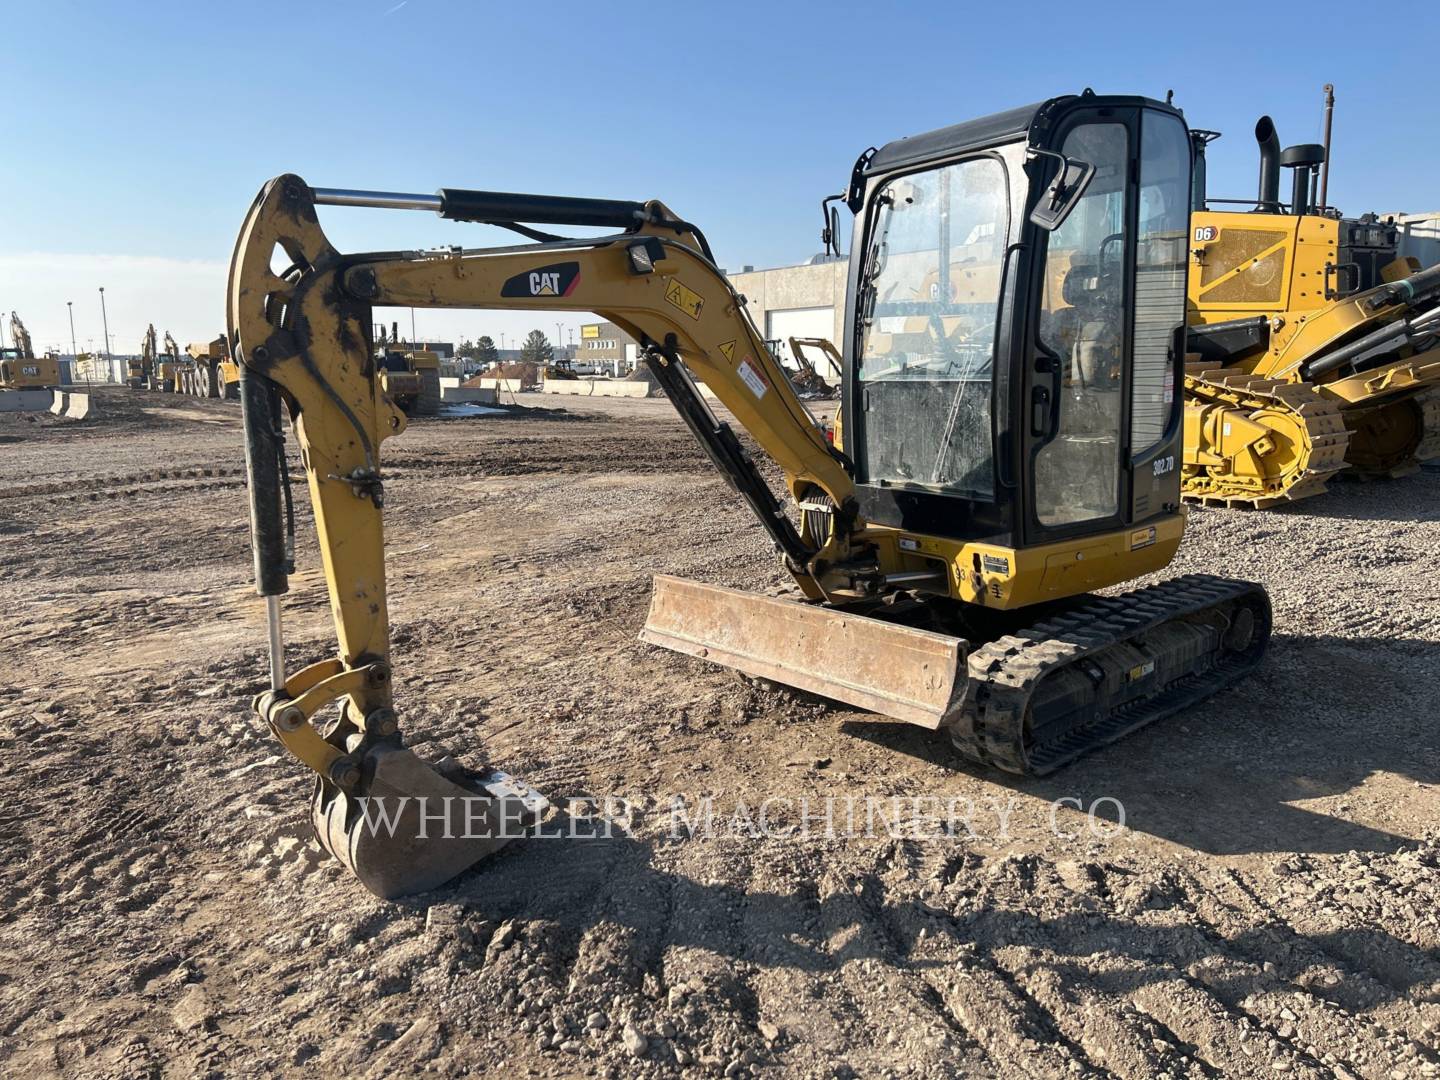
(957, 138)
(996, 128)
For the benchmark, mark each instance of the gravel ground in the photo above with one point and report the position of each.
(1269, 905)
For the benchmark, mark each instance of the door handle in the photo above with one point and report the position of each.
(1045, 396)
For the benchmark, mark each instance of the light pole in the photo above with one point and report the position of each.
(74, 349)
(105, 321)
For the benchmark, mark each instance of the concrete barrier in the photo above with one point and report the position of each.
(76, 406)
(468, 395)
(27, 400)
(628, 388)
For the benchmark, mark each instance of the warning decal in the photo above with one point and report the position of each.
(752, 378)
(687, 300)
(727, 350)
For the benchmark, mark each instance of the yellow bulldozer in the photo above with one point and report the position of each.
(20, 368)
(1012, 444)
(1312, 345)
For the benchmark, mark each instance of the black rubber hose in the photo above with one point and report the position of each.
(262, 414)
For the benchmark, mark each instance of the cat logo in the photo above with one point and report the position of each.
(544, 284)
(557, 279)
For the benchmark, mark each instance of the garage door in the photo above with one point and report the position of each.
(786, 323)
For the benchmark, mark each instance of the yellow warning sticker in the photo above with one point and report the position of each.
(727, 350)
(687, 300)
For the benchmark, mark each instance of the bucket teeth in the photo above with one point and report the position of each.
(407, 828)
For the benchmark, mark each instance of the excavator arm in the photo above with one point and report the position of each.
(21, 337)
(299, 318)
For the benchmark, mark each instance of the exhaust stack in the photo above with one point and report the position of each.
(1268, 199)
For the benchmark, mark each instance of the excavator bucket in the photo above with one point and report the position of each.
(897, 671)
(409, 828)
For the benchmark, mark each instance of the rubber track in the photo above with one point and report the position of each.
(1324, 426)
(1005, 673)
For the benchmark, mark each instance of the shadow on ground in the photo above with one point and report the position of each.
(1222, 776)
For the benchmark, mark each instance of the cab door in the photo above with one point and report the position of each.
(1105, 348)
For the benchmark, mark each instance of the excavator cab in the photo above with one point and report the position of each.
(1011, 375)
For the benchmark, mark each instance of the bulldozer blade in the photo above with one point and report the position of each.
(408, 829)
(897, 671)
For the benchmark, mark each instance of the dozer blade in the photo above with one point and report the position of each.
(897, 671)
(408, 828)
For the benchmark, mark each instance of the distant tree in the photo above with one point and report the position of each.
(485, 351)
(466, 349)
(537, 349)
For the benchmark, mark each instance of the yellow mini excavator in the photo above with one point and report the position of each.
(1008, 448)
(1313, 346)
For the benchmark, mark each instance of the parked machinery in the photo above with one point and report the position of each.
(1010, 447)
(411, 377)
(170, 367)
(140, 369)
(20, 368)
(807, 380)
(1312, 344)
(214, 374)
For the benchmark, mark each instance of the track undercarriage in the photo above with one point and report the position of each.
(1027, 700)
(1257, 442)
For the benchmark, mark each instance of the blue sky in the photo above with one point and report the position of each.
(137, 133)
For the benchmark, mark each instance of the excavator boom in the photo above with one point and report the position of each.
(302, 339)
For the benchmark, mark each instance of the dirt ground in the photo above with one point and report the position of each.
(1269, 906)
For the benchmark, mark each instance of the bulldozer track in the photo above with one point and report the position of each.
(1005, 673)
(1323, 422)
(128, 485)
(1430, 434)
